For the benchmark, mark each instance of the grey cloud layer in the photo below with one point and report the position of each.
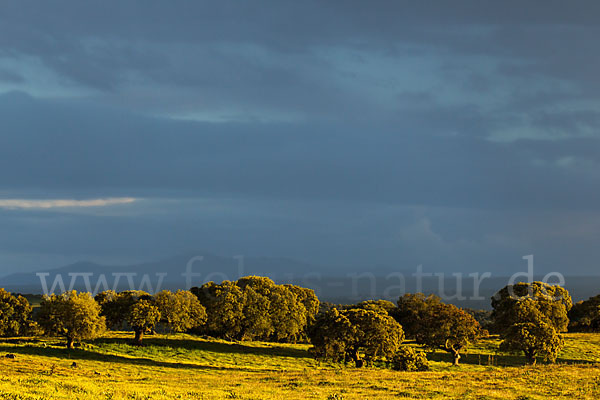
(289, 57)
(458, 134)
(89, 150)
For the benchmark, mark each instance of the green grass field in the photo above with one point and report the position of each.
(187, 367)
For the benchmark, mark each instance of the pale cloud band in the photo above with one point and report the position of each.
(64, 203)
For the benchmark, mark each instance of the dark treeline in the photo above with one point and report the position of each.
(585, 315)
(528, 317)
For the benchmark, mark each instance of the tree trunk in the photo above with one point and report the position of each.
(356, 358)
(456, 357)
(139, 335)
(533, 361)
(70, 342)
(531, 358)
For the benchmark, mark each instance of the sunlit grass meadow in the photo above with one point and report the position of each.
(188, 367)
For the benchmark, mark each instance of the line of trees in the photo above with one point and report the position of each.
(378, 328)
(528, 317)
(252, 308)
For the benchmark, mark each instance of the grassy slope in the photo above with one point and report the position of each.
(186, 367)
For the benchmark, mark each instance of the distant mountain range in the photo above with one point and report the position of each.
(173, 273)
(331, 284)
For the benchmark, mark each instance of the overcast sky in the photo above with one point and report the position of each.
(460, 135)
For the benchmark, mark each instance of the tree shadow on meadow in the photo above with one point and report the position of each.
(498, 360)
(269, 349)
(90, 355)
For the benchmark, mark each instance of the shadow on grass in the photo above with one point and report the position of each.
(82, 354)
(273, 349)
(499, 360)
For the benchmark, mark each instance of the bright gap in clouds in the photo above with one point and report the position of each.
(58, 203)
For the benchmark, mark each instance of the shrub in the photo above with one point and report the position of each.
(409, 359)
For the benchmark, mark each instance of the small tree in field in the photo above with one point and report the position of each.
(287, 314)
(377, 334)
(107, 302)
(15, 314)
(448, 328)
(224, 305)
(310, 301)
(530, 317)
(534, 335)
(332, 335)
(344, 335)
(381, 306)
(142, 317)
(117, 306)
(553, 303)
(412, 310)
(255, 308)
(180, 311)
(133, 307)
(72, 315)
(257, 323)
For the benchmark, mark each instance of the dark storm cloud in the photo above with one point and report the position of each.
(75, 148)
(451, 133)
(102, 46)
(319, 62)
